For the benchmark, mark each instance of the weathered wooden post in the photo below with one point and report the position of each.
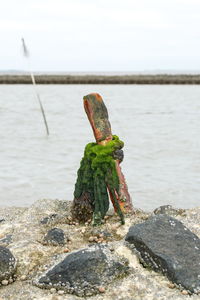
(100, 172)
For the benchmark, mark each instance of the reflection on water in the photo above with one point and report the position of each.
(160, 126)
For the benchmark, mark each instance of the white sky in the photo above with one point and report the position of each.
(101, 35)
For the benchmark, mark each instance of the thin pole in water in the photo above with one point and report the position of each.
(26, 54)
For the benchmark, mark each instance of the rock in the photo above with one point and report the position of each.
(7, 263)
(83, 272)
(23, 277)
(168, 210)
(2, 220)
(171, 285)
(91, 239)
(5, 282)
(55, 237)
(6, 240)
(102, 289)
(52, 290)
(61, 292)
(184, 292)
(99, 236)
(165, 244)
(102, 233)
(66, 250)
(48, 219)
(119, 155)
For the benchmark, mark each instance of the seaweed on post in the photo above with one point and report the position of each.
(99, 175)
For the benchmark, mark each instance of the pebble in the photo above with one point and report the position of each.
(102, 289)
(10, 280)
(52, 290)
(115, 226)
(61, 292)
(101, 240)
(184, 292)
(66, 250)
(171, 285)
(4, 282)
(91, 239)
(23, 277)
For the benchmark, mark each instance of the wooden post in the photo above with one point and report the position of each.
(98, 117)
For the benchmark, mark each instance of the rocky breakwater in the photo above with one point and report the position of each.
(44, 254)
(166, 245)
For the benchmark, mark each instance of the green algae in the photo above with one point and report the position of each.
(97, 174)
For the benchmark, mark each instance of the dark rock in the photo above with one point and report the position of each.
(48, 219)
(55, 237)
(2, 220)
(118, 154)
(7, 263)
(83, 272)
(6, 240)
(168, 210)
(165, 244)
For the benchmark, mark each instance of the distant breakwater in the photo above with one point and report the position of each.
(102, 79)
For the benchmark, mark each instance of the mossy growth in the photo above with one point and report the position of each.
(97, 174)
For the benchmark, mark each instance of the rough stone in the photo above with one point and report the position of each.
(118, 154)
(48, 219)
(5, 282)
(168, 210)
(55, 237)
(6, 240)
(83, 272)
(33, 257)
(165, 244)
(7, 263)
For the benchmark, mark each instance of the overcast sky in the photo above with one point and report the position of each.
(101, 35)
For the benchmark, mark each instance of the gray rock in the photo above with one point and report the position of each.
(118, 154)
(83, 272)
(168, 210)
(48, 219)
(55, 237)
(6, 240)
(165, 244)
(7, 263)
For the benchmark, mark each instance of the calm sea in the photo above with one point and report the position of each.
(160, 126)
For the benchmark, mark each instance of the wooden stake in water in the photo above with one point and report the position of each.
(27, 55)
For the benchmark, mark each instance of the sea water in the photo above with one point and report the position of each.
(159, 124)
